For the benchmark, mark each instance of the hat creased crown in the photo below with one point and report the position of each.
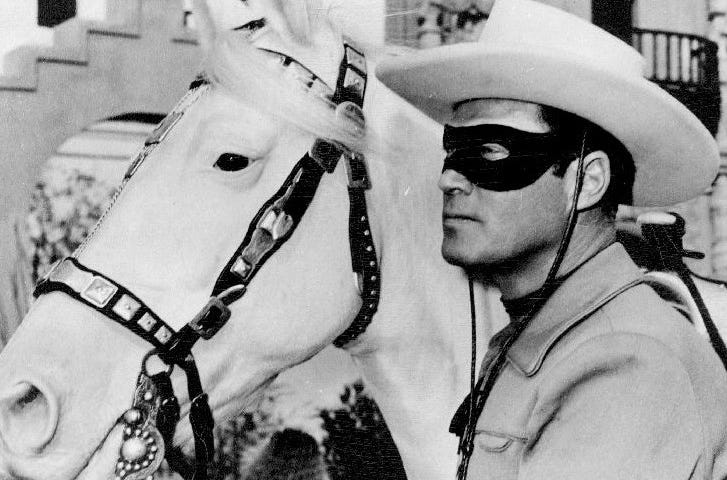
(525, 24)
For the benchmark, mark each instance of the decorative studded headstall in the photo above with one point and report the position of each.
(149, 425)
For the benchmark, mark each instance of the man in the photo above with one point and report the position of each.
(549, 126)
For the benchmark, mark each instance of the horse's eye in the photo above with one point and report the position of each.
(231, 162)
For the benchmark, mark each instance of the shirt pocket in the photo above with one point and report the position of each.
(495, 455)
(494, 442)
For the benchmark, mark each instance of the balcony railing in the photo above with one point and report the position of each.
(687, 67)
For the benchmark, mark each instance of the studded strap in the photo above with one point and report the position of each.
(352, 81)
(108, 297)
(364, 262)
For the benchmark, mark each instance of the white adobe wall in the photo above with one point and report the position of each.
(19, 23)
(19, 26)
(684, 16)
(582, 8)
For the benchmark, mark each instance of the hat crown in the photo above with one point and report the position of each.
(550, 29)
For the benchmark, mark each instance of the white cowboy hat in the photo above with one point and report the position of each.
(532, 52)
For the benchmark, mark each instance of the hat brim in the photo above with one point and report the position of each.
(676, 158)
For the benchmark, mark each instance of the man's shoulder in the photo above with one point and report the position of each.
(632, 309)
(641, 311)
(640, 325)
(637, 310)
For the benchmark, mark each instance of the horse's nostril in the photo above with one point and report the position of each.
(30, 396)
(28, 417)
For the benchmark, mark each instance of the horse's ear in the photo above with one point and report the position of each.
(293, 19)
(205, 25)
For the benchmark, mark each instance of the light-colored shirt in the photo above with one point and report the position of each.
(607, 382)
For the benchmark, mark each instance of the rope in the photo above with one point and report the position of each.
(473, 373)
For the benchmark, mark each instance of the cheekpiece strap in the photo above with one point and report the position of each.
(276, 220)
(364, 264)
(352, 81)
(352, 77)
(107, 297)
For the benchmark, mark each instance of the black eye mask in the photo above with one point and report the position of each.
(499, 158)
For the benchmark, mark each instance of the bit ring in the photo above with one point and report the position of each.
(154, 353)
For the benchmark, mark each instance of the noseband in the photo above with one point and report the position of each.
(149, 425)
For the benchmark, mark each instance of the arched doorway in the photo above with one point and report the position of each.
(76, 182)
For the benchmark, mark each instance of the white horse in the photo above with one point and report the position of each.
(69, 372)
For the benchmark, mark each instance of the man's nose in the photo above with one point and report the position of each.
(451, 182)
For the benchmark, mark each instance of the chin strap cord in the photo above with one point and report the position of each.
(473, 362)
(465, 426)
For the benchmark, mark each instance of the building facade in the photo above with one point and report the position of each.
(136, 57)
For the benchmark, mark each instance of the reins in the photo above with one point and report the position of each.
(149, 425)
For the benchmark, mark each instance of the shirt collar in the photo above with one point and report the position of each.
(594, 284)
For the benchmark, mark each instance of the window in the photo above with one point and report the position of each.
(53, 12)
(614, 16)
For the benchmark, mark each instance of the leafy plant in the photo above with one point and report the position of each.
(359, 445)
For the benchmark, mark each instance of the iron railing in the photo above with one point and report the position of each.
(686, 66)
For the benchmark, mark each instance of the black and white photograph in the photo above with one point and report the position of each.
(363, 239)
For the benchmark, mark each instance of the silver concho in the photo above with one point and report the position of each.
(142, 449)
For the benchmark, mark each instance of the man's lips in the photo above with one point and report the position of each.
(454, 216)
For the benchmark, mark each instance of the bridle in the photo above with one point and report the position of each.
(149, 425)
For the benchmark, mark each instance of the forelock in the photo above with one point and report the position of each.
(251, 76)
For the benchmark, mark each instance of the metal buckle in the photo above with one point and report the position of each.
(211, 318)
(358, 176)
(355, 58)
(326, 154)
(354, 82)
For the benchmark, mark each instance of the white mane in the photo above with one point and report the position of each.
(235, 64)
(249, 74)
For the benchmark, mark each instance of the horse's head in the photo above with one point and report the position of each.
(69, 372)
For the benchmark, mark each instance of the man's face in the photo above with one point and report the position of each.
(485, 227)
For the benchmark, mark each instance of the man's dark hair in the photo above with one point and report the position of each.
(572, 128)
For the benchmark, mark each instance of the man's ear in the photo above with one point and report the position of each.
(596, 179)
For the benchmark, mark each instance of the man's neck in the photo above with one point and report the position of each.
(592, 234)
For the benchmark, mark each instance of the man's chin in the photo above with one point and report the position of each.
(458, 256)
(470, 261)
